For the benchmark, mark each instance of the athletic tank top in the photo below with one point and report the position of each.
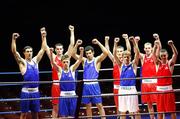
(164, 70)
(127, 72)
(149, 67)
(31, 74)
(90, 71)
(54, 71)
(116, 74)
(67, 76)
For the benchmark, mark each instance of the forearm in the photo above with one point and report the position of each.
(72, 38)
(128, 45)
(107, 44)
(74, 53)
(44, 43)
(13, 46)
(174, 50)
(104, 50)
(137, 52)
(115, 47)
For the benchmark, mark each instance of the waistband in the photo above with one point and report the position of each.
(127, 87)
(55, 82)
(149, 80)
(164, 88)
(90, 81)
(67, 93)
(30, 90)
(116, 86)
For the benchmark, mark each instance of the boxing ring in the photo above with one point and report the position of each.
(9, 102)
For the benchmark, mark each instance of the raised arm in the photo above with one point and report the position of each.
(78, 62)
(110, 55)
(116, 59)
(156, 37)
(104, 54)
(175, 52)
(16, 54)
(136, 50)
(41, 52)
(156, 49)
(72, 40)
(74, 54)
(128, 46)
(54, 64)
(141, 55)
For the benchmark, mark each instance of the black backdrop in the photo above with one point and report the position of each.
(92, 19)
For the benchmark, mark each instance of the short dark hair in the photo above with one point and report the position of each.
(64, 57)
(87, 48)
(58, 44)
(27, 47)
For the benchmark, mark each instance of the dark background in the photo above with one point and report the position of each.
(92, 19)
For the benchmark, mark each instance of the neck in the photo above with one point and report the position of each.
(148, 55)
(66, 69)
(164, 61)
(29, 60)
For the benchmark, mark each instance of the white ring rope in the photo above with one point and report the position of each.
(99, 80)
(87, 96)
(45, 72)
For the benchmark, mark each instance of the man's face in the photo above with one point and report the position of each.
(164, 56)
(126, 59)
(89, 54)
(59, 50)
(28, 53)
(66, 63)
(148, 49)
(119, 53)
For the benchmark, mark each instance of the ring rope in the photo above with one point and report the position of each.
(48, 110)
(45, 72)
(99, 80)
(115, 115)
(87, 96)
(103, 95)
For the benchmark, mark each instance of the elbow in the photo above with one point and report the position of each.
(13, 50)
(106, 52)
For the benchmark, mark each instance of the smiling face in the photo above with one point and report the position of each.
(148, 48)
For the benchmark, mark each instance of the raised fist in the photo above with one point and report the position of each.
(107, 38)
(170, 42)
(71, 27)
(156, 36)
(156, 42)
(125, 36)
(43, 31)
(131, 38)
(15, 35)
(95, 41)
(51, 50)
(137, 38)
(81, 49)
(116, 39)
(79, 42)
